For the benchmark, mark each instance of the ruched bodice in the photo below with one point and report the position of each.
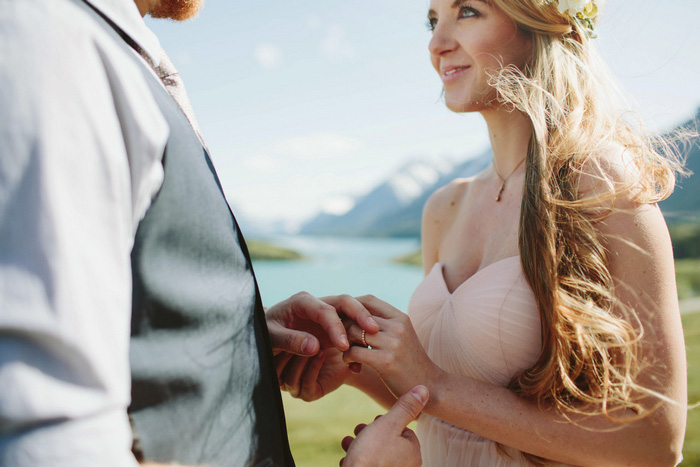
(488, 328)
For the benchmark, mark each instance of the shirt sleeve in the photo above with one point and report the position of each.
(81, 142)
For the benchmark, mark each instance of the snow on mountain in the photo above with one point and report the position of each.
(411, 180)
(398, 191)
(400, 198)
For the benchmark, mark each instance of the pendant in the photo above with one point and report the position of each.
(503, 187)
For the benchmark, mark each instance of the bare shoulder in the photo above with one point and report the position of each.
(634, 231)
(444, 201)
(612, 174)
(439, 213)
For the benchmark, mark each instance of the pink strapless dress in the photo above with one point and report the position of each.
(487, 329)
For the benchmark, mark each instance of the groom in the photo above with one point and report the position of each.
(113, 221)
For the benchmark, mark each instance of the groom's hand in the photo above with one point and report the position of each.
(303, 324)
(387, 441)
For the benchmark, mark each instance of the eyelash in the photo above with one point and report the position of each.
(432, 22)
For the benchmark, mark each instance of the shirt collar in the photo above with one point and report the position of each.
(125, 14)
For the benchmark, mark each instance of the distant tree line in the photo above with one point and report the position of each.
(686, 240)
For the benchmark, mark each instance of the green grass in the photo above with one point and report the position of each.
(691, 329)
(316, 428)
(263, 251)
(414, 259)
(686, 240)
(688, 277)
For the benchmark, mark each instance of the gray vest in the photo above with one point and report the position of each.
(204, 386)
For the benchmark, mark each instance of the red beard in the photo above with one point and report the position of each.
(178, 10)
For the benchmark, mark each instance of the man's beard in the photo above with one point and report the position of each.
(178, 10)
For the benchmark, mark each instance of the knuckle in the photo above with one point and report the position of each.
(407, 405)
(302, 295)
(289, 341)
(345, 299)
(367, 298)
(394, 343)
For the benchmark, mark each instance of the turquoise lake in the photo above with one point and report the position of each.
(337, 265)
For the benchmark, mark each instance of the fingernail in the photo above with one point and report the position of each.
(355, 367)
(420, 393)
(344, 340)
(307, 346)
(372, 322)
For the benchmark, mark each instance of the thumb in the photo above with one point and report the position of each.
(406, 408)
(296, 342)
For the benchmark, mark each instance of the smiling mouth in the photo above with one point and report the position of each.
(453, 72)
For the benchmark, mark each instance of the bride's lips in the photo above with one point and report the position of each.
(452, 73)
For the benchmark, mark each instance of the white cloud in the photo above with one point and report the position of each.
(262, 163)
(268, 56)
(320, 146)
(313, 21)
(336, 48)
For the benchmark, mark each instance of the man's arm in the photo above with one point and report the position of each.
(67, 215)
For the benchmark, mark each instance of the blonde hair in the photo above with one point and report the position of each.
(590, 343)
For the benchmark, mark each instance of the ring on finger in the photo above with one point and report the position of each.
(364, 339)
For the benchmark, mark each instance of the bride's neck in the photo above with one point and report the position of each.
(509, 133)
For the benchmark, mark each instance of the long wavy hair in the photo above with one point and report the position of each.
(590, 342)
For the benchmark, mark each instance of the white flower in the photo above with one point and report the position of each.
(572, 7)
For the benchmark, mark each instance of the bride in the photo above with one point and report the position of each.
(547, 327)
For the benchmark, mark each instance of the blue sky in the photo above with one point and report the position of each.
(306, 103)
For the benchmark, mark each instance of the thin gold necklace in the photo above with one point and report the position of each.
(504, 180)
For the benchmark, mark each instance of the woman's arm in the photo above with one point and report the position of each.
(642, 265)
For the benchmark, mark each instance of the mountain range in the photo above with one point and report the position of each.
(684, 203)
(394, 208)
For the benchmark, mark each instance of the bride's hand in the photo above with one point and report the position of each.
(395, 352)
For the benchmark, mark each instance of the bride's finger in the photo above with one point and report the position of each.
(346, 442)
(291, 376)
(359, 428)
(359, 354)
(357, 337)
(351, 308)
(354, 333)
(379, 308)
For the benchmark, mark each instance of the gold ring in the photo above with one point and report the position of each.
(364, 341)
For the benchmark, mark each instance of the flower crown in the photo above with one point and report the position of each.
(582, 10)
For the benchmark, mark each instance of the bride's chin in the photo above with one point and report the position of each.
(471, 104)
(462, 106)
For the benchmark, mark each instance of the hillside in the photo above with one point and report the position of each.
(684, 203)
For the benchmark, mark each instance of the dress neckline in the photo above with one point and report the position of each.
(470, 278)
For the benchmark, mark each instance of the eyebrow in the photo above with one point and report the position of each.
(458, 3)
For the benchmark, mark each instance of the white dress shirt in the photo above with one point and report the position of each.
(81, 142)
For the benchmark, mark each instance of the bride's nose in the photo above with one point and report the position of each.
(442, 41)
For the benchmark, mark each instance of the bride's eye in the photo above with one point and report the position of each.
(431, 23)
(468, 12)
